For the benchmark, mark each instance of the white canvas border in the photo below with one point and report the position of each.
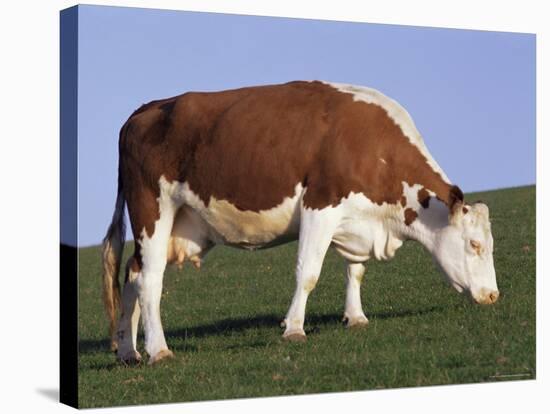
(29, 166)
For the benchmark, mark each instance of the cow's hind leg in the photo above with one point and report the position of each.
(154, 251)
(129, 320)
(353, 314)
(316, 231)
(152, 218)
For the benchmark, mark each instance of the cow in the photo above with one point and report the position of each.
(326, 164)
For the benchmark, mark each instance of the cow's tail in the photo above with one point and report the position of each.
(113, 244)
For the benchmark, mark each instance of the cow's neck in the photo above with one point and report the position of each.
(427, 225)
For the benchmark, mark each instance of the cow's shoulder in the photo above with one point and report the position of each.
(368, 103)
(373, 149)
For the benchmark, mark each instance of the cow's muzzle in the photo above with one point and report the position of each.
(486, 297)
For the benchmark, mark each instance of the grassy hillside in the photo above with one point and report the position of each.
(222, 322)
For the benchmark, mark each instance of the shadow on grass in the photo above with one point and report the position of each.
(232, 325)
(405, 313)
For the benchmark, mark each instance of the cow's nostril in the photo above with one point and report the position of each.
(493, 296)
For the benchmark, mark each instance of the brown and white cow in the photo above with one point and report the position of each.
(327, 164)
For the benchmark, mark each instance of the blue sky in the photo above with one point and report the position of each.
(470, 93)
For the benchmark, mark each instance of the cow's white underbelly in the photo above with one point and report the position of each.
(249, 229)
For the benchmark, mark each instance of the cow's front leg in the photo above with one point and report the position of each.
(316, 231)
(353, 314)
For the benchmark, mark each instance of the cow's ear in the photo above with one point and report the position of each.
(456, 203)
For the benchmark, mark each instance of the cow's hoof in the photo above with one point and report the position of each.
(164, 354)
(356, 322)
(295, 336)
(130, 358)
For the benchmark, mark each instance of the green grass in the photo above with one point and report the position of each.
(222, 322)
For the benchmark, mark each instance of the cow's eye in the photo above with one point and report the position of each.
(476, 246)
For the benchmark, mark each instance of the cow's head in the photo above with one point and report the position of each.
(464, 251)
